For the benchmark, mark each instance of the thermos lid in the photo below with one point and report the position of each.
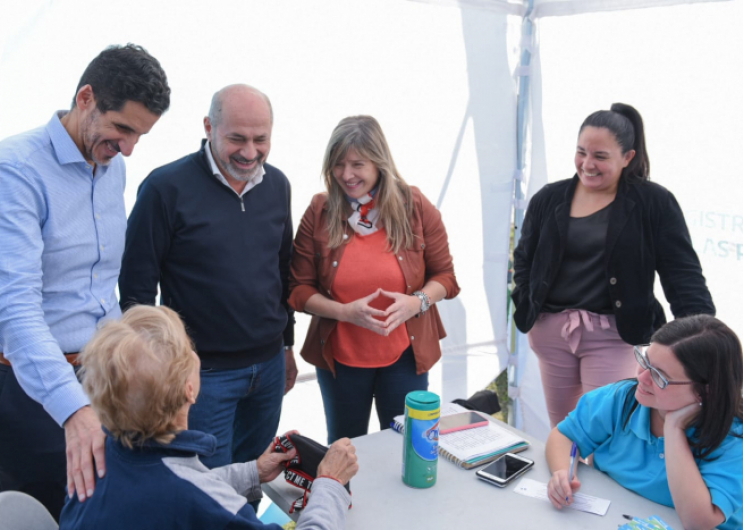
(422, 400)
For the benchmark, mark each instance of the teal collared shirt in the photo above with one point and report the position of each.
(635, 458)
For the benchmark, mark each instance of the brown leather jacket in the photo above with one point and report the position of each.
(314, 265)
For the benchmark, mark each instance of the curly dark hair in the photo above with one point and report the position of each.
(126, 73)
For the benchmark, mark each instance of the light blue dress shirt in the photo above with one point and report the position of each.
(62, 230)
(635, 458)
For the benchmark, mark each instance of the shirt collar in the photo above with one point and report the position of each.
(64, 147)
(198, 442)
(218, 173)
(639, 423)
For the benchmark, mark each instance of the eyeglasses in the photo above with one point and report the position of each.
(660, 380)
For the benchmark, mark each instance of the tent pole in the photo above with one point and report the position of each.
(519, 204)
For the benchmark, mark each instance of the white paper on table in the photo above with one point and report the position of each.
(581, 502)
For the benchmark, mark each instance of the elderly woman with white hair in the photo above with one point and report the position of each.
(142, 377)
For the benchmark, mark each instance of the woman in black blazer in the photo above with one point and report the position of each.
(586, 261)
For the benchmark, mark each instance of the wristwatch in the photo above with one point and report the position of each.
(425, 301)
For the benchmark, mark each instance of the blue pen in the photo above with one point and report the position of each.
(573, 453)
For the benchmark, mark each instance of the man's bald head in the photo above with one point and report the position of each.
(239, 131)
(239, 94)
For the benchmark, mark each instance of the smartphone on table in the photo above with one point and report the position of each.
(461, 421)
(503, 470)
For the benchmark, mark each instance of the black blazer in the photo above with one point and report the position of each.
(646, 233)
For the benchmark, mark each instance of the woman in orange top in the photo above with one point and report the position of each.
(371, 259)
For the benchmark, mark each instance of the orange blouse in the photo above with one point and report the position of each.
(366, 266)
(314, 266)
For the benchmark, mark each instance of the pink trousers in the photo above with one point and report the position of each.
(578, 351)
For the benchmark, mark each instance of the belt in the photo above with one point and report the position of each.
(71, 358)
(573, 324)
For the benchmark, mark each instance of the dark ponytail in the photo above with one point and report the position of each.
(625, 123)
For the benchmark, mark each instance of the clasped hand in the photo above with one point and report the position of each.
(383, 322)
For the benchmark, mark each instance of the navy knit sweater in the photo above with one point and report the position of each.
(222, 261)
(166, 487)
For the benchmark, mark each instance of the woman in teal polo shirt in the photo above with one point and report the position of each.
(673, 435)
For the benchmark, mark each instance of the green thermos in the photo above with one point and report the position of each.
(420, 453)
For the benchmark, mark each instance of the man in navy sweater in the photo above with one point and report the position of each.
(214, 229)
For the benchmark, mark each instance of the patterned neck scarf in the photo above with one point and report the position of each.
(365, 214)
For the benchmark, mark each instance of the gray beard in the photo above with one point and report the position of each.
(248, 177)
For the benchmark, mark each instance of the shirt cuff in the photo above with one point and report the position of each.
(572, 432)
(333, 485)
(255, 492)
(449, 282)
(299, 296)
(722, 501)
(65, 400)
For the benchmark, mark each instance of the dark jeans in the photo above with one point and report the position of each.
(241, 407)
(32, 447)
(347, 398)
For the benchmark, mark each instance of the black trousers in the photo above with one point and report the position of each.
(32, 447)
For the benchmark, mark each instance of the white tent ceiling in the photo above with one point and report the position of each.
(549, 8)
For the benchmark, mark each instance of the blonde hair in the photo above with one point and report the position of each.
(393, 198)
(135, 370)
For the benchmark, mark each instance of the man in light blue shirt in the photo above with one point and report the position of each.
(62, 227)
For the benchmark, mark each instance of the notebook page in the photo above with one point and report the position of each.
(472, 443)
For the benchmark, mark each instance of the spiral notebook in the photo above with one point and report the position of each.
(472, 447)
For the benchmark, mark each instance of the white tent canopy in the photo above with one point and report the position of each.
(444, 81)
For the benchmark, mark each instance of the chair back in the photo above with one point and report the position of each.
(19, 511)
